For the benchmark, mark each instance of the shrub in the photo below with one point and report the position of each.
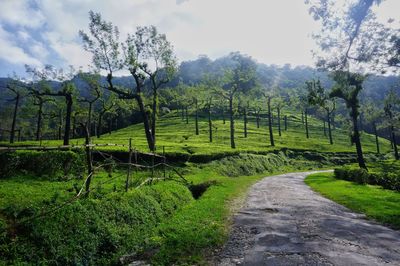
(51, 164)
(91, 231)
(245, 164)
(387, 180)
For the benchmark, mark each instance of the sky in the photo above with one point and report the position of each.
(38, 32)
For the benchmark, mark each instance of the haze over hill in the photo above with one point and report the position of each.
(273, 32)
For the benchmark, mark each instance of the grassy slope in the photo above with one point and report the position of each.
(179, 137)
(377, 203)
(201, 225)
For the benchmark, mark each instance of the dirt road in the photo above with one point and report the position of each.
(285, 223)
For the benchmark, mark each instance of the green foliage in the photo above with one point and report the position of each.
(387, 175)
(377, 203)
(50, 164)
(91, 231)
(245, 164)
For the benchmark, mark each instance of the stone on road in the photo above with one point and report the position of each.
(284, 222)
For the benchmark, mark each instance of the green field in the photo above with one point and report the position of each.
(375, 202)
(154, 221)
(178, 137)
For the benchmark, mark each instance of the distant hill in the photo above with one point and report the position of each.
(285, 77)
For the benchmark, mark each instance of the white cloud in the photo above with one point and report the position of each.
(273, 32)
(70, 51)
(21, 13)
(13, 54)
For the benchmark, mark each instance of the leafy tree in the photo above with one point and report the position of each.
(157, 50)
(317, 95)
(392, 102)
(269, 96)
(106, 106)
(348, 86)
(39, 101)
(16, 88)
(93, 81)
(208, 105)
(373, 115)
(240, 78)
(346, 50)
(133, 55)
(244, 106)
(279, 103)
(67, 90)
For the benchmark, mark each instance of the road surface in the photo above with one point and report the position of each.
(284, 222)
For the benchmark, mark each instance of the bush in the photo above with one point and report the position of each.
(51, 164)
(387, 180)
(245, 164)
(91, 231)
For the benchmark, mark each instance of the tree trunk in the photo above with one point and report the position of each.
(306, 121)
(232, 123)
(74, 126)
(285, 122)
(88, 161)
(110, 125)
(69, 101)
(210, 125)
(39, 121)
(187, 116)
(99, 125)
(396, 151)
(279, 121)
(60, 123)
(376, 137)
(333, 121)
(128, 176)
(154, 114)
(258, 119)
(197, 117)
(147, 129)
(95, 128)
(356, 139)
(223, 116)
(324, 128)
(183, 113)
(14, 121)
(329, 128)
(302, 117)
(245, 122)
(89, 121)
(271, 136)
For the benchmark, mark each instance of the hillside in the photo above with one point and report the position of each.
(178, 137)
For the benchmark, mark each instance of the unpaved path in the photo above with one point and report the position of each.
(285, 223)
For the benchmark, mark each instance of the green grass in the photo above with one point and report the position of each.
(379, 204)
(178, 137)
(185, 237)
(203, 225)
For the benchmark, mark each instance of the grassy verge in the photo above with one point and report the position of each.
(377, 203)
(161, 223)
(200, 227)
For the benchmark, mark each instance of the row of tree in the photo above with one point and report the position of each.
(149, 58)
